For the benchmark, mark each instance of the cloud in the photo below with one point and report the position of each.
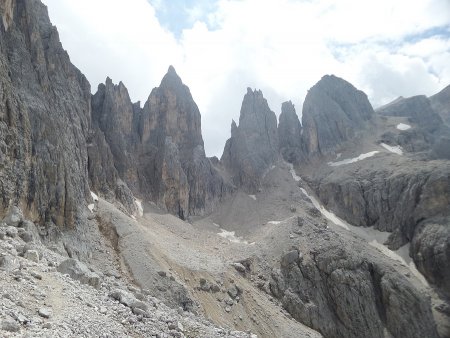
(386, 48)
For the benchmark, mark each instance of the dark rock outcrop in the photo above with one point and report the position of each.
(290, 134)
(333, 112)
(157, 150)
(253, 146)
(44, 119)
(347, 294)
(175, 170)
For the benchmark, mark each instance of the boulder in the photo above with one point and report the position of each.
(79, 271)
(13, 217)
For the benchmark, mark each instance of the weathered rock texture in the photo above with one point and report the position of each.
(391, 198)
(430, 249)
(429, 133)
(318, 287)
(441, 104)
(333, 112)
(253, 146)
(157, 150)
(44, 118)
(290, 134)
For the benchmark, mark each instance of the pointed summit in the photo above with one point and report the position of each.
(171, 79)
(253, 146)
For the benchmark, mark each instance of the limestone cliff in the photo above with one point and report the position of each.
(44, 119)
(333, 112)
(253, 146)
(290, 134)
(158, 149)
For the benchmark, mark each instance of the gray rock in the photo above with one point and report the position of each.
(289, 134)
(45, 312)
(289, 258)
(12, 231)
(430, 249)
(253, 146)
(395, 199)
(441, 104)
(333, 112)
(345, 294)
(234, 291)
(150, 138)
(32, 255)
(239, 267)
(429, 132)
(127, 299)
(13, 217)
(79, 271)
(44, 114)
(10, 325)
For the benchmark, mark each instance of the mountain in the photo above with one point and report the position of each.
(350, 109)
(253, 146)
(114, 222)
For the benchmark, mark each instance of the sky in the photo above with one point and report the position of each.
(387, 48)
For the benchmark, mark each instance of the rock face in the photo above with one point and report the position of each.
(156, 150)
(42, 171)
(430, 249)
(430, 134)
(290, 134)
(253, 146)
(395, 199)
(175, 170)
(333, 112)
(441, 104)
(317, 288)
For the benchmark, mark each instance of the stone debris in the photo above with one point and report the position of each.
(38, 300)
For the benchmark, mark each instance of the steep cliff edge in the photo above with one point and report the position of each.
(290, 135)
(42, 170)
(402, 193)
(158, 149)
(253, 146)
(333, 112)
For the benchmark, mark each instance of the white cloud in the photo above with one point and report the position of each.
(386, 48)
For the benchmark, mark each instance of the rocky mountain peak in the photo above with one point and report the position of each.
(253, 145)
(290, 134)
(334, 111)
(171, 79)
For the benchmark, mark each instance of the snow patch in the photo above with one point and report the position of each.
(140, 209)
(275, 222)
(94, 196)
(393, 149)
(91, 207)
(374, 237)
(403, 126)
(293, 173)
(231, 236)
(327, 214)
(252, 196)
(353, 160)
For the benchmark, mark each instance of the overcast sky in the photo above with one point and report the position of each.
(387, 48)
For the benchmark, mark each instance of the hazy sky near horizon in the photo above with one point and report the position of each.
(387, 48)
